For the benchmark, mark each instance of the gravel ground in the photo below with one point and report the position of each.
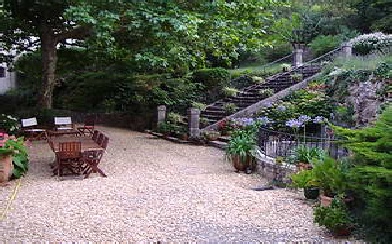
(155, 191)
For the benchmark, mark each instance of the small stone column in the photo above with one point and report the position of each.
(297, 55)
(347, 50)
(194, 123)
(161, 116)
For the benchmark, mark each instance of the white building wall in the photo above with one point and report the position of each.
(7, 82)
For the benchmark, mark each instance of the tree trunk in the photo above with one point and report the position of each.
(49, 62)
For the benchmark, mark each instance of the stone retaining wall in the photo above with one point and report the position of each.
(272, 171)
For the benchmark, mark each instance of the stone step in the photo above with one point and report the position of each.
(218, 144)
(224, 139)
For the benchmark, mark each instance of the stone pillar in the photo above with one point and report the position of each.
(297, 55)
(347, 50)
(161, 116)
(194, 123)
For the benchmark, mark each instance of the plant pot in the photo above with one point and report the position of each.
(325, 201)
(184, 136)
(5, 168)
(303, 166)
(311, 192)
(239, 163)
(342, 231)
(247, 164)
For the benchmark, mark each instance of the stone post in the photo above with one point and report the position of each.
(194, 123)
(297, 55)
(161, 116)
(347, 50)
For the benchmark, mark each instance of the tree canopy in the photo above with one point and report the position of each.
(155, 36)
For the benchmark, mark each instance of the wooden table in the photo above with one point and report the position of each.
(87, 143)
(57, 133)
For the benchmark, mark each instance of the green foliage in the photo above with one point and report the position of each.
(305, 154)
(230, 108)
(266, 92)
(200, 106)
(213, 81)
(175, 118)
(302, 179)
(334, 217)
(323, 44)
(242, 142)
(277, 52)
(330, 175)
(20, 159)
(230, 91)
(211, 78)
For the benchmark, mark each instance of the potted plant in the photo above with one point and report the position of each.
(335, 217)
(13, 158)
(330, 176)
(5, 160)
(305, 179)
(239, 149)
(230, 108)
(304, 154)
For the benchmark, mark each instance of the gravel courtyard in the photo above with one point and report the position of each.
(155, 191)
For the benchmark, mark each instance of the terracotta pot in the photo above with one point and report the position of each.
(311, 192)
(243, 163)
(184, 136)
(303, 166)
(342, 231)
(5, 168)
(325, 201)
(239, 163)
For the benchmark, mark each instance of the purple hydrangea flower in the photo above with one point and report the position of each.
(294, 123)
(304, 118)
(319, 120)
(268, 104)
(264, 120)
(281, 108)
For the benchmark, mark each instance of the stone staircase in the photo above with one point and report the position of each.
(254, 93)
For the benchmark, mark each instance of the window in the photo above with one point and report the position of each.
(2, 71)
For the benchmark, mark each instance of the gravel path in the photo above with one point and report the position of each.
(155, 191)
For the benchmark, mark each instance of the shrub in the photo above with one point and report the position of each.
(334, 217)
(211, 78)
(371, 178)
(230, 91)
(364, 44)
(277, 52)
(9, 123)
(323, 44)
(213, 81)
(230, 108)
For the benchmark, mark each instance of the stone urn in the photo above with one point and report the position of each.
(5, 168)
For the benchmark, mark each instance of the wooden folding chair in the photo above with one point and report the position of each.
(105, 142)
(63, 123)
(92, 159)
(88, 127)
(100, 138)
(29, 126)
(69, 157)
(95, 135)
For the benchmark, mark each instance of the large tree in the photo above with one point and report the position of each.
(156, 35)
